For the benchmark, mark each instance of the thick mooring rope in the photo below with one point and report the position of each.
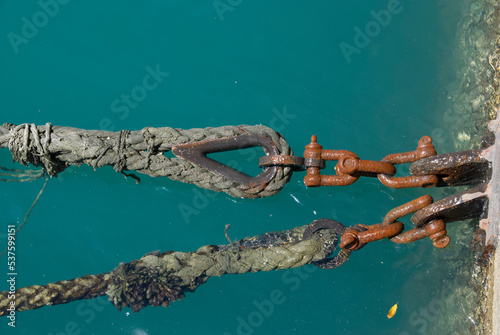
(157, 279)
(56, 148)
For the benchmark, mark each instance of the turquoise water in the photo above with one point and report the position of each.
(279, 64)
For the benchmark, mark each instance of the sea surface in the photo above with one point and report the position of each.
(365, 76)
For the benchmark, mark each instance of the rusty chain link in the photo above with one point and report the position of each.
(429, 219)
(392, 229)
(358, 236)
(350, 167)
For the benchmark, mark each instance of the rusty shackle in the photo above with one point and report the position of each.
(356, 237)
(349, 166)
(424, 149)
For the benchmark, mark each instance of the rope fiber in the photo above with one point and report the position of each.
(26, 216)
(55, 148)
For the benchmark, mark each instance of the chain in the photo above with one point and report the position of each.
(350, 167)
(392, 229)
(429, 219)
(358, 236)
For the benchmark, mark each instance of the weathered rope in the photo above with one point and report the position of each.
(61, 292)
(56, 148)
(157, 279)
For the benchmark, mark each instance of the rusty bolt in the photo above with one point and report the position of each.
(439, 238)
(313, 151)
(425, 148)
(435, 229)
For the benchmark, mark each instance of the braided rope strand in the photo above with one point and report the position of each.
(159, 279)
(61, 292)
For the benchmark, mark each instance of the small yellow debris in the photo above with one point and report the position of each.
(392, 311)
